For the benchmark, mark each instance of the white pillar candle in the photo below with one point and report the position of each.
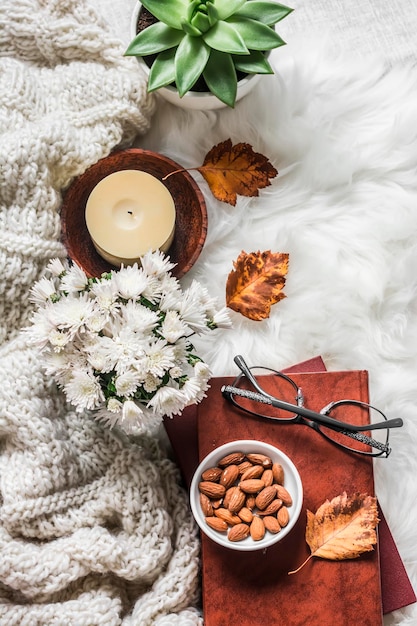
(128, 213)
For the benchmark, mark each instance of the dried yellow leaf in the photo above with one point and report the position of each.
(342, 528)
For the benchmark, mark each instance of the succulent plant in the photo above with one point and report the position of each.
(212, 39)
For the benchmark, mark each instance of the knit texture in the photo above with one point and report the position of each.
(95, 528)
(67, 98)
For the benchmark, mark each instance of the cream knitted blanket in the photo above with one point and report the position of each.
(94, 529)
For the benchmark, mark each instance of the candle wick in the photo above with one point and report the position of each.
(130, 212)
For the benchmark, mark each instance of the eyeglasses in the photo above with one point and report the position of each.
(366, 439)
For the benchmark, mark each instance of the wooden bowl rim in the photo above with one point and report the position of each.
(115, 161)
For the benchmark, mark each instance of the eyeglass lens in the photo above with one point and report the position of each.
(280, 386)
(366, 442)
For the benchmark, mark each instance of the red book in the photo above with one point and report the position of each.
(183, 434)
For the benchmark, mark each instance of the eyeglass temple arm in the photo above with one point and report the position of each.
(228, 390)
(241, 363)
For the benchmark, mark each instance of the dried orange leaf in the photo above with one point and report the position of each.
(256, 283)
(343, 528)
(230, 170)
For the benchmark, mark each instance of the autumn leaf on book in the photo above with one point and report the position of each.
(232, 170)
(343, 528)
(256, 283)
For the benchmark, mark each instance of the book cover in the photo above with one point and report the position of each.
(182, 432)
(255, 588)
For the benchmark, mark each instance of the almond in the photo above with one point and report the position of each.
(265, 497)
(271, 524)
(245, 515)
(234, 458)
(227, 516)
(252, 485)
(244, 466)
(283, 516)
(254, 471)
(272, 508)
(260, 459)
(228, 495)
(206, 505)
(278, 472)
(238, 532)
(257, 528)
(216, 503)
(250, 502)
(267, 477)
(212, 474)
(217, 524)
(236, 501)
(229, 475)
(283, 495)
(211, 490)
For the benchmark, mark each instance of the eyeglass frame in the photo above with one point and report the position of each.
(307, 417)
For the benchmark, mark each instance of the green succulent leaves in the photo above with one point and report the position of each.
(208, 38)
(186, 74)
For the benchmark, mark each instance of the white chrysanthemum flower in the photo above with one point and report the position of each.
(176, 372)
(191, 310)
(172, 328)
(62, 363)
(139, 318)
(127, 383)
(58, 339)
(97, 320)
(101, 355)
(130, 416)
(114, 405)
(120, 350)
(98, 360)
(159, 358)
(202, 371)
(171, 295)
(156, 263)
(153, 291)
(56, 363)
(106, 296)
(131, 281)
(207, 302)
(71, 313)
(168, 401)
(74, 280)
(151, 383)
(180, 349)
(221, 318)
(84, 391)
(42, 291)
(196, 386)
(133, 418)
(42, 326)
(56, 267)
(194, 389)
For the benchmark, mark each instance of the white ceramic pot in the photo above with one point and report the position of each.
(196, 100)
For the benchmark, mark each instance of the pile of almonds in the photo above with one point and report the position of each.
(244, 495)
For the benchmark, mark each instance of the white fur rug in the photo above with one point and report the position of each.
(343, 136)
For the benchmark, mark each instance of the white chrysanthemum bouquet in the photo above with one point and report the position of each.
(120, 344)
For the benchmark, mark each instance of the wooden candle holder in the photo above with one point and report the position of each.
(191, 211)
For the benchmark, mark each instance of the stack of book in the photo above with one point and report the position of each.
(254, 588)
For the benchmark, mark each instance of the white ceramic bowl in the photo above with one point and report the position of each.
(292, 483)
